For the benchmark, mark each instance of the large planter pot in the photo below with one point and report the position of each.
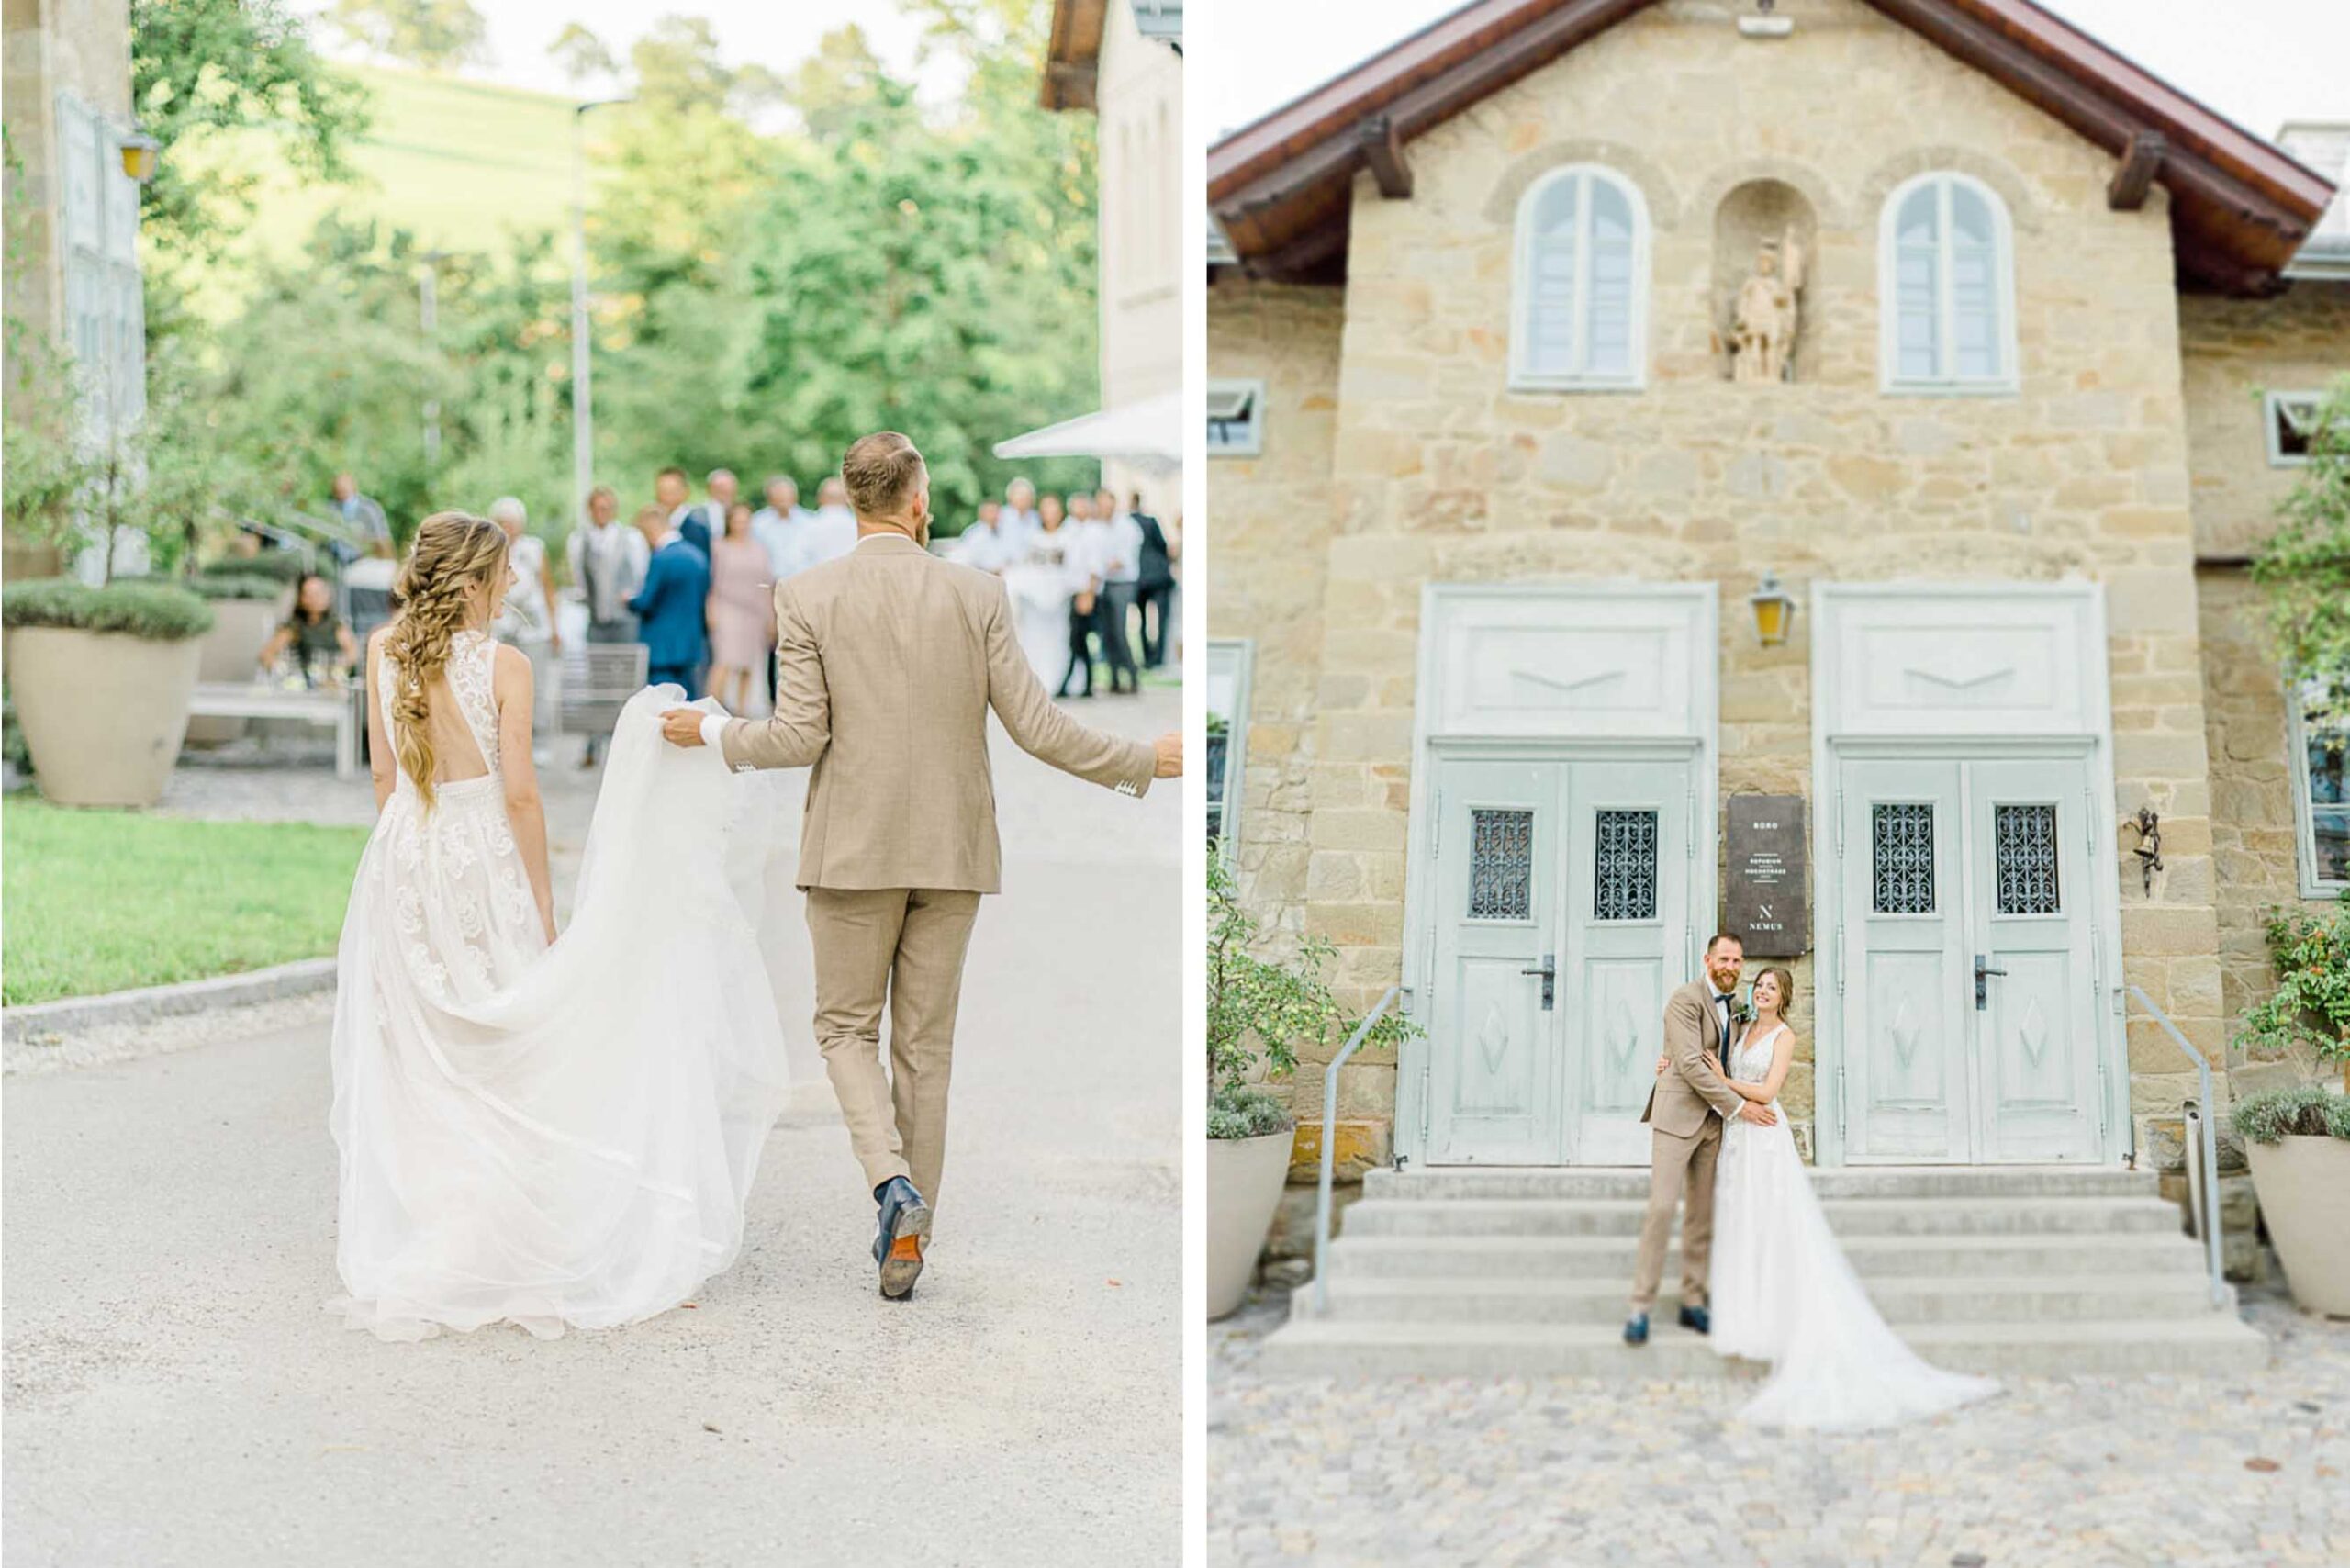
(102, 713)
(2304, 1187)
(230, 652)
(1245, 1179)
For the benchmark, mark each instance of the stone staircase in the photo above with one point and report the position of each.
(2008, 1271)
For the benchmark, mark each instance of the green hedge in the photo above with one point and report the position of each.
(149, 609)
(2310, 1112)
(236, 585)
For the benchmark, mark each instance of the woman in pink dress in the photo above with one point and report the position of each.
(742, 612)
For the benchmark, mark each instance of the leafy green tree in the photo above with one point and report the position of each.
(201, 68)
(583, 56)
(2304, 568)
(433, 34)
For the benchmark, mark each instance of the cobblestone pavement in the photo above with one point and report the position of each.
(176, 1398)
(2082, 1473)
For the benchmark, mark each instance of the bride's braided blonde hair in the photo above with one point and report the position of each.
(454, 554)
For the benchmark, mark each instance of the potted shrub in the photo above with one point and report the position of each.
(2298, 1139)
(2299, 1143)
(1260, 1011)
(101, 678)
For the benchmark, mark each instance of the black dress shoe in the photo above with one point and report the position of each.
(903, 1226)
(1696, 1318)
(1636, 1332)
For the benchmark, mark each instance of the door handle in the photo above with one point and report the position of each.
(1983, 972)
(1549, 973)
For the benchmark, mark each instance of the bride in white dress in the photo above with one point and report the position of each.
(1782, 1290)
(538, 1131)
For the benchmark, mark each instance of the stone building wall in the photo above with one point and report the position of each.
(2233, 351)
(1268, 535)
(1443, 473)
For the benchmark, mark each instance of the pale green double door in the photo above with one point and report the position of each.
(1561, 919)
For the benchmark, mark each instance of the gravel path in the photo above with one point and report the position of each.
(2179, 1471)
(175, 1395)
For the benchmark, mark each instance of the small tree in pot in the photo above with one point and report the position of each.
(1259, 1013)
(2298, 1140)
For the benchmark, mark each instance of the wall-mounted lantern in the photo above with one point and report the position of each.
(1774, 611)
(2150, 846)
(140, 153)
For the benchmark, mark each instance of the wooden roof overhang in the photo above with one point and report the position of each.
(1282, 187)
(1073, 53)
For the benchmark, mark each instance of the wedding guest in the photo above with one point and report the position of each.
(778, 524)
(1153, 585)
(363, 515)
(1020, 511)
(742, 612)
(670, 607)
(367, 588)
(1118, 548)
(607, 563)
(528, 621)
(831, 532)
(1085, 595)
(709, 515)
(1040, 584)
(322, 646)
(988, 545)
(671, 492)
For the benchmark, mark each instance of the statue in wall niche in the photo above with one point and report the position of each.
(1762, 328)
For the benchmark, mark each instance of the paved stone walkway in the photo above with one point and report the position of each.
(176, 1398)
(2087, 1472)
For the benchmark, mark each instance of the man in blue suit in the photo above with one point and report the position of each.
(671, 609)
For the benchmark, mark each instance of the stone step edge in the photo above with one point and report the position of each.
(1581, 1285)
(2145, 1202)
(2221, 1328)
(2116, 1241)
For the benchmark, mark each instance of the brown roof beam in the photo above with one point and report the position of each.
(1383, 150)
(1301, 256)
(2087, 110)
(2135, 176)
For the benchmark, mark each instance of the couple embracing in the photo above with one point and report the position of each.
(564, 1132)
(1781, 1289)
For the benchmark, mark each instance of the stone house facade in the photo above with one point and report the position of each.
(1498, 527)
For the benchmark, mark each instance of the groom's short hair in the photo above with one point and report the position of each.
(879, 472)
(1719, 937)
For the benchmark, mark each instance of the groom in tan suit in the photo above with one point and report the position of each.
(888, 661)
(1684, 1114)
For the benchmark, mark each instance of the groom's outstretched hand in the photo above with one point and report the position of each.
(682, 726)
(1169, 748)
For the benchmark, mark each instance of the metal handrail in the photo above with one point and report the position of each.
(1330, 1149)
(2208, 1221)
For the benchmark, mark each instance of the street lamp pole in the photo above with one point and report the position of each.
(428, 285)
(582, 404)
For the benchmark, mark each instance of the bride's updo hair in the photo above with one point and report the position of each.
(1786, 976)
(454, 554)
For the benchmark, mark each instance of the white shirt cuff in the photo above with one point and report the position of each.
(713, 725)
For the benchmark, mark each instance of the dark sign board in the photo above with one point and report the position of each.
(1765, 891)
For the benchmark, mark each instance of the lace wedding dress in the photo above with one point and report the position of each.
(562, 1135)
(1784, 1293)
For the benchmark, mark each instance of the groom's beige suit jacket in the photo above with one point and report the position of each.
(890, 660)
(1692, 1086)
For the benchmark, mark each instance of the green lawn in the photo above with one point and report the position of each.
(103, 900)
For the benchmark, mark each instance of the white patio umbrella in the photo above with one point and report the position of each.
(1147, 432)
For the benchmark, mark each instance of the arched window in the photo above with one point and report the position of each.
(1947, 289)
(1579, 306)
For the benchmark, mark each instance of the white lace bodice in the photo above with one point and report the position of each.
(472, 670)
(1750, 1058)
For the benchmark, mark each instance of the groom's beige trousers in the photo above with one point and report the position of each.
(1678, 1165)
(904, 947)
